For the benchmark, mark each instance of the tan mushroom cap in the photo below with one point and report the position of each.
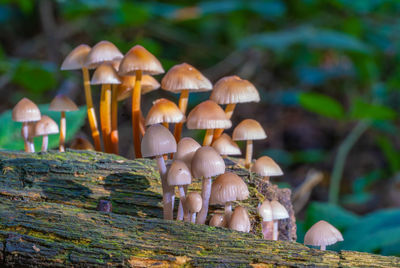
(25, 111)
(207, 115)
(102, 52)
(46, 126)
(75, 60)
(139, 58)
(179, 174)
(185, 77)
(265, 210)
(248, 129)
(148, 84)
(228, 187)
(187, 147)
(62, 103)
(266, 166)
(207, 163)
(233, 89)
(322, 234)
(157, 141)
(218, 220)
(194, 202)
(279, 212)
(240, 220)
(164, 111)
(224, 145)
(105, 74)
(80, 143)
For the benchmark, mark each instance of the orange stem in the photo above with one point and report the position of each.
(183, 101)
(114, 139)
(63, 130)
(208, 138)
(165, 124)
(249, 153)
(103, 120)
(136, 113)
(228, 113)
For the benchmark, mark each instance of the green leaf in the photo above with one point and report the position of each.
(391, 154)
(10, 131)
(364, 110)
(321, 104)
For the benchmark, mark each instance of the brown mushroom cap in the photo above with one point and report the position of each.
(102, 52)
(248, 129)
(62, 103)
(279, 212)
(105, 74)
(266, 166)
(139, 58)
(164, 110)
(148, 84)
(224, 145)
(187, 147)
(179, 174)
(185, 77)
(46, 126)
(218, 220)
(80, 143)
(240, 220)
(207, 163)
(233, 89)
(207, 115)
(157, 141)
(228, 187)
(265, 210)
(322, 234)
(75, 60)
(194, 202)
(25, 111)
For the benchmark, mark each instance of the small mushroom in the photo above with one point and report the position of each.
(158, 141)
(248, 130)
(81, 143)
(225, 146)
(240, 220)
(193, 204)
(125, 89)
(322, 234)
(46, 126)
(164, 111)
(62, 104)
(218, 220)
(279, 212)
(265, 166)
(267, 225)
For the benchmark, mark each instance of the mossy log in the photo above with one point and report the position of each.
(48, 218)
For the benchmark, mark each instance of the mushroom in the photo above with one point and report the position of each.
(218, 220)
(136, 62)
(158, 141)
(185, 151)
(265, 166)
(46, 126)
(106, 76)
(226, 189)
(225, 146)
(279, 212)
(184, 78)
(193, 205)
(267, 225)
(322, 234)
(26, 111)
(207, 115)
(148, 85)
(75, 60)
(81, 143)
(62, 104)
(179, 175)
(248, 130)
(206, 163)
(240, 220)
(231, 90)
(164, 111)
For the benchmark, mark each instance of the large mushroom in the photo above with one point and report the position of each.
(232, 90)
(206, 163)
(267, 224)
(279, 212)
(138, 61)
(248, 130)
(322, 234)
(184, 78)
(45, 127)
(266, 167)
(207, 115)
(240, 220)
(158, 141)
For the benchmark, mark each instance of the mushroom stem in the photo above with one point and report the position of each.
(45, 143)
(25, 135)
(182, 198)
(63, 132)
(114, 139)
(323, 247)
(228, 211)
(103, 117)
(265, 179)
(141, 125)
(267, 229)
(193, 217)
(275, 233)
(166, 125)
(31, 145)
(249, 153)
(136, 113)
(208, 137)
(107, 114)
(182, 214)
(228, 113)
(183, 101)
(90, 110)
(168, 191)
(205, 194)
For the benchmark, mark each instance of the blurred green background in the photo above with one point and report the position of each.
(327, 70)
